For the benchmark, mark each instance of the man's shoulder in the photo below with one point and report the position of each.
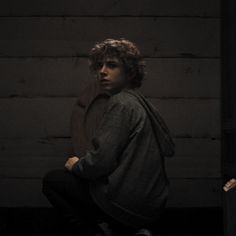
(123, 98)
(127, 100)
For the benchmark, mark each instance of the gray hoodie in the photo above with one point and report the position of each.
(124, 142)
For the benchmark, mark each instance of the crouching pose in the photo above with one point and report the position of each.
(116, 173)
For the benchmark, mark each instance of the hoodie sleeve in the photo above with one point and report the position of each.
(108, 142)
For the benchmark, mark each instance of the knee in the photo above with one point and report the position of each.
(50, 179)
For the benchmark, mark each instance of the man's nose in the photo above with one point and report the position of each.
(103, 70)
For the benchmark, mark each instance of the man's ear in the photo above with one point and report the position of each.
(131, 75)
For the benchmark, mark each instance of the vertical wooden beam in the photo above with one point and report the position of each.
(229, 111)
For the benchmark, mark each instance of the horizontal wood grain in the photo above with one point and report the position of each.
(195, 158)
(46, 117)
(32, 158)
(43, 65)
(111, 7)
(166, 77)
(75, 36)
(190, 117)
(195, 193)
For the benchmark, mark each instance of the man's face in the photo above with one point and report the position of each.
(111, 75)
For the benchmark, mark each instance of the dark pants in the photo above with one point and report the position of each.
(70, 195)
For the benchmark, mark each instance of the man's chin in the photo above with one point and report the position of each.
(105, 87)
(110, 89)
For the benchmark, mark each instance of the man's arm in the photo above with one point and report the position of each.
(109, 141)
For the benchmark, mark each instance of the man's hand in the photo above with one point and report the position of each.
(70, 162)
(230, 184)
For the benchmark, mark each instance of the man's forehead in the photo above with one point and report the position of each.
(111, 59)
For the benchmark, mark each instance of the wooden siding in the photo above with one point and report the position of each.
(43, 68)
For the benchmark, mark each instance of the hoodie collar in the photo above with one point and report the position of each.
(162, 133)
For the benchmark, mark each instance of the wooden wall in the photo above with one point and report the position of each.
(43, 69)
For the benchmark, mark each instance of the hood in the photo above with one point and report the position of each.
(87, 113)
(163, 136)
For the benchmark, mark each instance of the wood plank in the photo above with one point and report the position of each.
(166, 77)
(32, 158)
(190, 117)
(111, 8)
(184, 193)
(22, 193)
(47, 117)
(43, 77)
(195, 158)
(69, 36)
(182, 78)
(203, 192)
(36, 117)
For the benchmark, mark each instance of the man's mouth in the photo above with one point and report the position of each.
(105, 81)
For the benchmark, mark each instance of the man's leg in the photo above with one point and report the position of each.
(69, 194)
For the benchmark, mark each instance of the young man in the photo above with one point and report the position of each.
(118, 173)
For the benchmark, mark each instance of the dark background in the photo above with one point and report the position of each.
(43, 69)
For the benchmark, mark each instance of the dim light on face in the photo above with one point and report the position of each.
(111, 75)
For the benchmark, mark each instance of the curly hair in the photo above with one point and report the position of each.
(126, 52)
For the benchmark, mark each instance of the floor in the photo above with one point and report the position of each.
(175, 222)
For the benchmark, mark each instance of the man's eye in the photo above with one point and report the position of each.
(99, 66)
(112, 64)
